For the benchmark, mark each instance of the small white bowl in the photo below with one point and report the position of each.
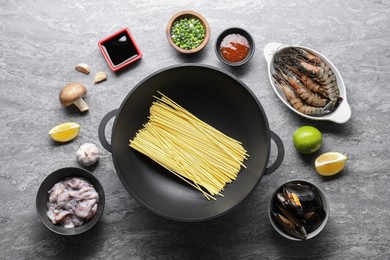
(325, 205)
(343, 112)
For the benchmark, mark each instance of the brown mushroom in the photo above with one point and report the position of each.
(73, 94)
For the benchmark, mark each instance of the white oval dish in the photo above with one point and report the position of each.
(343, 112)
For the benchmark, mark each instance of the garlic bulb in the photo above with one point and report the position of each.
(88, 154)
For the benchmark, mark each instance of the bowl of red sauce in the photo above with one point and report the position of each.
(235, 47)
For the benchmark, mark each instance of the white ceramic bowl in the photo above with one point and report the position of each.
(343, 112)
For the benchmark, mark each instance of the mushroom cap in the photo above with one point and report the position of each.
(72, 92)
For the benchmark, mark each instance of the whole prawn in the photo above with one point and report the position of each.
(307, 81)
(283, 75)
(310, 57)
(324, 75)
(311, 84)
(297, 102)
(321, 74)
(315, 67)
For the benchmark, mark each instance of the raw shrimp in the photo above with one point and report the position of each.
(309, 83)
(310, 57)
(297, 102)
(305, 94)
(324, 76)
(322, 73)
(309, 77)
(329, 90)
(314, 86)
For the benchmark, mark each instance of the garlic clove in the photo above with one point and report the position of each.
(100, 76)
(83, 68)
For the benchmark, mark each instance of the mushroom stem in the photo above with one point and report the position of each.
(81, 104)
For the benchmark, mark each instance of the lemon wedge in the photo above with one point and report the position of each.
(331, 163)
(65, 132)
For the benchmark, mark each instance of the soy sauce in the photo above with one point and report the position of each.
(120, 49)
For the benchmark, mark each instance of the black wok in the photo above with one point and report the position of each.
(219, 99)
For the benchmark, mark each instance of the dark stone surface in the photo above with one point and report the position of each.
(42, 41)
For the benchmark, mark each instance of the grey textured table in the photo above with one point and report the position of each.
(42, 41)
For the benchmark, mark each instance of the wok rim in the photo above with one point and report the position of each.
(171, 216)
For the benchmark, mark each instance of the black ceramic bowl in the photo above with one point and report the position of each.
(43, 198)
(241, 32)
(325, 206)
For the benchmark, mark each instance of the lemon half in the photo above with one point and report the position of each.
(65, 132)
(331, 163)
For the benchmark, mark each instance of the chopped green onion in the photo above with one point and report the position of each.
(188, 33)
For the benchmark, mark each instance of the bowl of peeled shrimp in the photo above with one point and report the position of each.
(307, 82)
(70, 201)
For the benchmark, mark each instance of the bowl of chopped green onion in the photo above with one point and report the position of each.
(188, 32)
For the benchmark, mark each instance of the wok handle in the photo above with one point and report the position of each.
(102, 128)
(279, 158)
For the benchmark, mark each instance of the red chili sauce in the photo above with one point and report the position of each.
(234, 47)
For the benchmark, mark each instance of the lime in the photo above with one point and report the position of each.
(328, 164)
(65, 132)
(307, 139)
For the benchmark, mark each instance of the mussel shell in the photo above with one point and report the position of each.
(310, 213)
(313, 218)
(305, 193)
(289, 226)
(294, 219)
(293, 201)
(283, 201)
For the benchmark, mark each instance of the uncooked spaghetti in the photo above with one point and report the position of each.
(194, 151)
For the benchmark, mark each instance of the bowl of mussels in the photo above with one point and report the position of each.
(298, 210)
